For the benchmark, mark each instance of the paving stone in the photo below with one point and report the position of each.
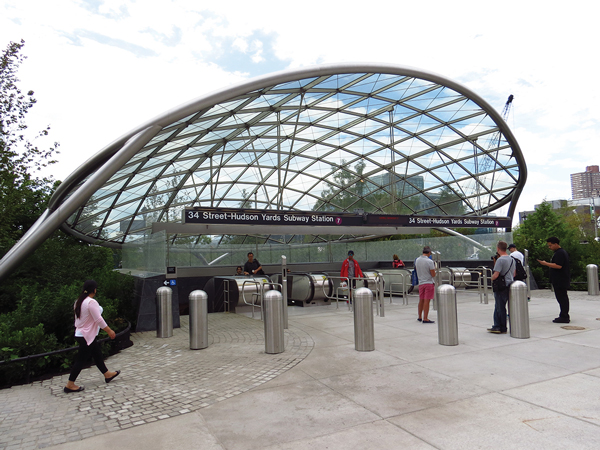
(160, 378)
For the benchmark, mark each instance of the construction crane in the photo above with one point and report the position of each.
(505, 112)
(487, 159)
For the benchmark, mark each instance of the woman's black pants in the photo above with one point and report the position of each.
(85, 351)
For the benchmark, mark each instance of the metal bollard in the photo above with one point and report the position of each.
(437, 260)
(526, 267)
(284, 290)
(273, 315)
(164, 312)
(364, 333)
(485, 286)
(380, 296)
(198, 320)
(519, 310)
(592, 276)
(447, 315)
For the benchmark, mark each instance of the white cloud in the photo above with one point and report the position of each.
(100, 70)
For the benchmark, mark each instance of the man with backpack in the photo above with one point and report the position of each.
(520, 272)
(504, 269)
(512, 248)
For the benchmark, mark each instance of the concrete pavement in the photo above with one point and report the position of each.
(490, 391)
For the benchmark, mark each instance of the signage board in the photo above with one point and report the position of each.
(230, 216)
(269, 217)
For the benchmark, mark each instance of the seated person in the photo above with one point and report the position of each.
(239, 271)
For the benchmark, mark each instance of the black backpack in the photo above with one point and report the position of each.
(521, 273)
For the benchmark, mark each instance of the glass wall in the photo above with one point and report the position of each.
(152, 254)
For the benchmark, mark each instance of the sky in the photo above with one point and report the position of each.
(100, 68)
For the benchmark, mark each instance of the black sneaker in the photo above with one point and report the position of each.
(495, 330)
(561, 320)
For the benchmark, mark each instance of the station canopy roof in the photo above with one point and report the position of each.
(381, 138)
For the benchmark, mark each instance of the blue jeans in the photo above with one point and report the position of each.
(500, 309)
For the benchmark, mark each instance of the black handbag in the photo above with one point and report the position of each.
(499, 284)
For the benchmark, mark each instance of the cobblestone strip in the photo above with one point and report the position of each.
(160, 378)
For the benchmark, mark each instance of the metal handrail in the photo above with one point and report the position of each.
(461, 273)
(477, 283)
(260, 294)
(336, 297)
(406, 281)
(28, 359)
(484, 282)
(226, 295)
(379, 284)
(379, 291)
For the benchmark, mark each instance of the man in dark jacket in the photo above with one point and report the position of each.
(560, 277)
(252, 266)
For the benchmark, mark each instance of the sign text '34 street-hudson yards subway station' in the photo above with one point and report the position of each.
(269, 217)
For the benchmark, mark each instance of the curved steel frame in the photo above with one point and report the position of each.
(269, 119)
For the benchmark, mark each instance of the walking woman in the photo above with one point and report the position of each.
(88, 321)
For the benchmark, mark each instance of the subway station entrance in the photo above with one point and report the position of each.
(313, 267)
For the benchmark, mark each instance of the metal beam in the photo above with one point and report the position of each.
(51, 221)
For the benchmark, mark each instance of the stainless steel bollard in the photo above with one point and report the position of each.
(198, 320)
(364, 333)
(519, 310)
(485, 286)
(380, 296)
(284, 291)
(592, 276)
(164, 312)
(526, 267)
(437, 260)
(447, 316)
(273, 315)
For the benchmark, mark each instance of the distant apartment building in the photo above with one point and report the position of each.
(586, 184)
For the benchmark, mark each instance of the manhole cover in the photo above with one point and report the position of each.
(572, 327)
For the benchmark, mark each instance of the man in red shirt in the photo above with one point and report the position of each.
(350, 270)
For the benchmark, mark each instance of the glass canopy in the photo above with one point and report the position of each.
(380, 142)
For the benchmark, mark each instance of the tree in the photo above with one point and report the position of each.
(353, 190)
(23, 196)
(36, 301)
(539, 226)
(450, 202)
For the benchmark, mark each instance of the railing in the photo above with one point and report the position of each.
(337, 290)
(226, 296)
(257, 297)
(351, 281)
(28, 360)
(484, 288)
(406, 282)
